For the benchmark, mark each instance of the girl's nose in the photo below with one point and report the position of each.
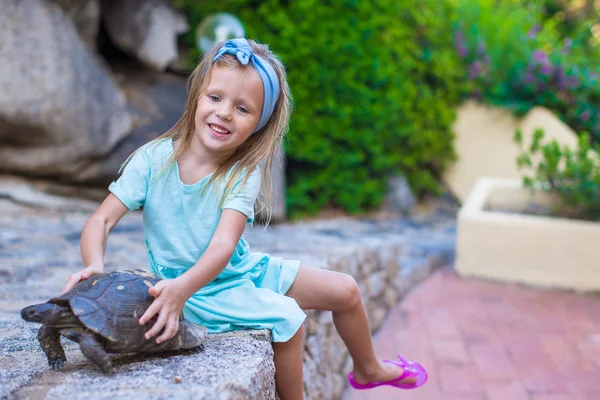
(224, 113)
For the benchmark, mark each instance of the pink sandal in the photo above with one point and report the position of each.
(411, 370)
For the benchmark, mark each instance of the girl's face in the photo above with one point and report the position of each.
(229, 110)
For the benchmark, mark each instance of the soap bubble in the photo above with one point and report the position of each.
(216, 28)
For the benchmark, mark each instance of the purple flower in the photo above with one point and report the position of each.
(584, 116)
(546, 69)
(572, 81)
(529, 78)
(561, 78)
(475, 69)
(459, 43)
(534, 31)
(540, 57)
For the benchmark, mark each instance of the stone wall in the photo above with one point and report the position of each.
(387, 257)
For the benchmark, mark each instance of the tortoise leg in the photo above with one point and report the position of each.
(49, 339)
(188, 336)
(193, 334)
(94, 351)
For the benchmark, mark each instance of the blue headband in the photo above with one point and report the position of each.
(242, 50)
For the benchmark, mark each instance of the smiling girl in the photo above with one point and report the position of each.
(198, 183)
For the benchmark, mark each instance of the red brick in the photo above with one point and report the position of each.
(412, 321)
(585, 383)
(410, 303)
(467, 310)
(441, 325)
(590, 348)
(512, 391)
(484, 335)
(460, 379)
(544, 382)
(532, 363)
(493, 363)
(431, 390)
(574, 363)
(482, 340)
(557, 397)
(460, 396)
(557, 346)
(406, 342)
(451, 351)
(545, 323)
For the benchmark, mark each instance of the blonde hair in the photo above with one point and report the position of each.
(262, 144)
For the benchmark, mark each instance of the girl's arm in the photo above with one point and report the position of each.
(171, 295)
(93, 239)
(217, 255)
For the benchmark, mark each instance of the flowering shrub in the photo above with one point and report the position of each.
(516, 59)
(572, 176)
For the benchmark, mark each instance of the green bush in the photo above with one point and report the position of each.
(516, 57)
(575, 20)
(572, 176)
(376, 85)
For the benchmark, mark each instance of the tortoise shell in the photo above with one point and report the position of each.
(111, 304)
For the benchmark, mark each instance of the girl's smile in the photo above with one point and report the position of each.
(218, 130)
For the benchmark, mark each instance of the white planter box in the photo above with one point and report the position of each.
(536, 250)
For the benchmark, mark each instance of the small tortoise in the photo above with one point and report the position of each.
(102, 314)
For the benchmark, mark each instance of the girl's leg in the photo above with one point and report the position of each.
(288, 367)
(319, 289)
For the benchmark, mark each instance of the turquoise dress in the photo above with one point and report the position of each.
(179, 222)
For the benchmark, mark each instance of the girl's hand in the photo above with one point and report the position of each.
(81, 276)
(168, 303)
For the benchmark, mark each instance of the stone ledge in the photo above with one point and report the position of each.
(231, 366)
(387, 258)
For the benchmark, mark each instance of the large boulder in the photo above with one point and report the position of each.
(58, 108)
(146, 29)
(85, 15)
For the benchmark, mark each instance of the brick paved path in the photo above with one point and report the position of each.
(490, 341)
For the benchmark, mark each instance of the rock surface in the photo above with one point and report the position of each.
(198, 374)
(40, 248)
(86, 18)
(147, 29)
(58, 107)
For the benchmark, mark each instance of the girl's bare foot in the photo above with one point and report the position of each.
(384, 372)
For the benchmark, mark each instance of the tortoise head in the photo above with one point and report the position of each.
(50, 314)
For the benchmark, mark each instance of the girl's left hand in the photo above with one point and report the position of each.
(168, 303)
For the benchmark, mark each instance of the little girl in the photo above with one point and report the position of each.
(198, 183)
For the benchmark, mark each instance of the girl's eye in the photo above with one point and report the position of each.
(213, 97)
(243, 109)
